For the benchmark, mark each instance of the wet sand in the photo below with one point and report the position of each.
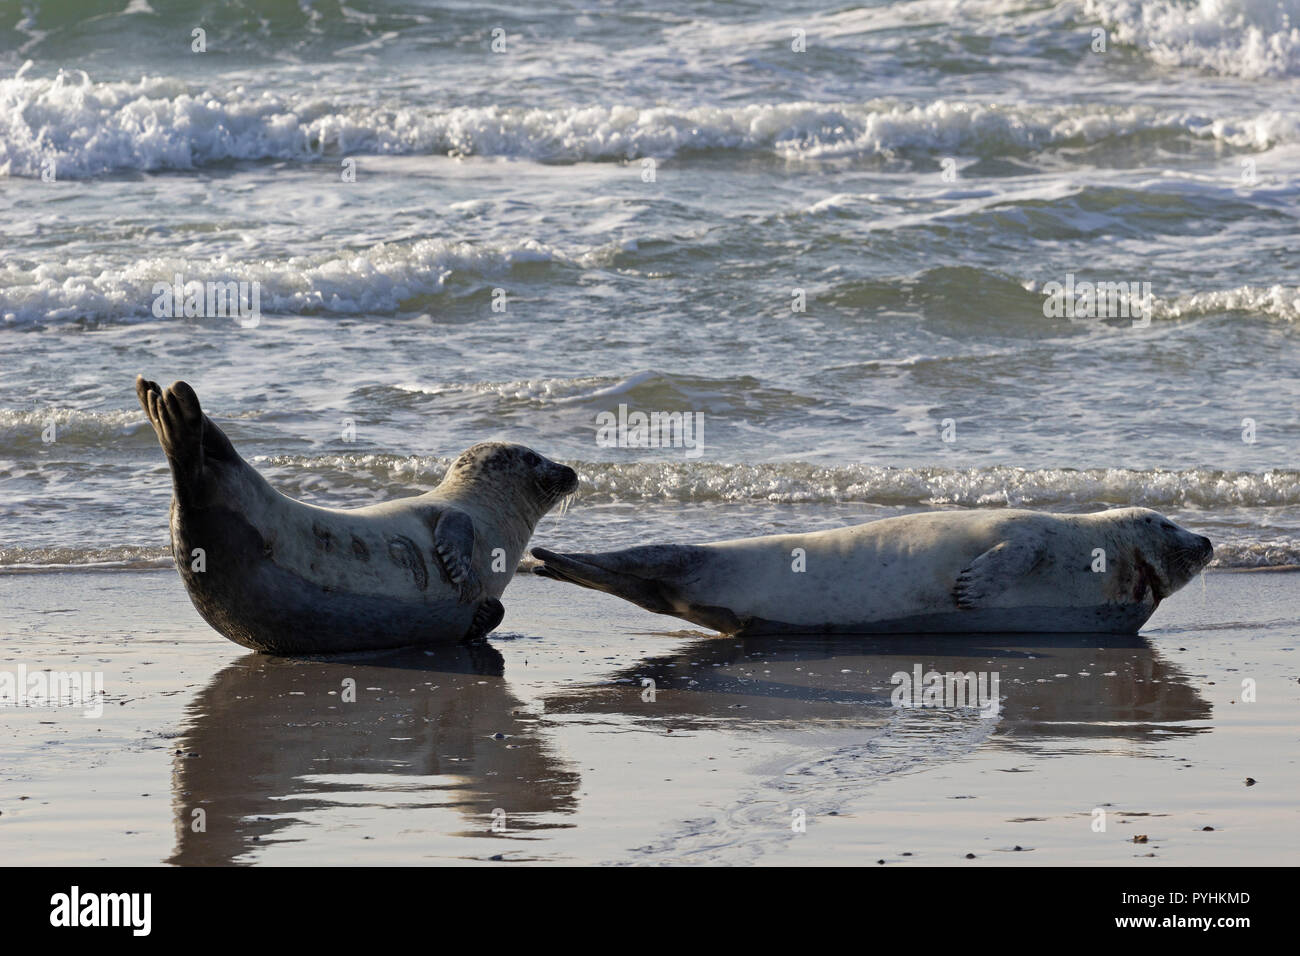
(546, 734)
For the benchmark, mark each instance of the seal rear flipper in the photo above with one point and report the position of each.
(608, 572)
(177, 420)
(188, 437)
(486, 619)
(994, 570)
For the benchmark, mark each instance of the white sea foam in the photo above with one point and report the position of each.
(388, 278)
(87, 129)
(1248, 38)
(376, 280)
(1282, 302)
(801, 482)
(131, 558)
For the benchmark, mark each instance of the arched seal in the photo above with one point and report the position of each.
(940, 572)
(280, 576)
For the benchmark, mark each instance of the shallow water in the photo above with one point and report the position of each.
(921, 171)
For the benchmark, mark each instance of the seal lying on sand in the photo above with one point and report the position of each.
(284, 577)
(940, 572)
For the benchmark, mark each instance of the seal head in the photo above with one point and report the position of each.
(1164, 557)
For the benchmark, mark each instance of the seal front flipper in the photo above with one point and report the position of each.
(486, 619)
(453, 541)
(995, 569)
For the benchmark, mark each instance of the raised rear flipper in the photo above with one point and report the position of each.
(189, 438)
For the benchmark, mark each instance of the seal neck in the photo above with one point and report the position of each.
(512, 512)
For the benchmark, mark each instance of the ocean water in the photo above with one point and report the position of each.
(834, 257)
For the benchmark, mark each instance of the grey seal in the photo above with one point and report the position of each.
(937, 572)
(284, 577)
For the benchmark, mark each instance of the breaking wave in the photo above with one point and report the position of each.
(1246, 38)
(87, 128)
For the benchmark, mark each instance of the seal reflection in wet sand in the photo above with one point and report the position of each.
(284, 577)
(266, 750)
(940, 572)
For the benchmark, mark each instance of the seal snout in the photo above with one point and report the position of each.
(566, 479)
(561, 483)
(1207, 548)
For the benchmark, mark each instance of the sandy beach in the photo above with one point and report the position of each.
(546, 735)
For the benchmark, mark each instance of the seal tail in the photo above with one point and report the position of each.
(640, 575)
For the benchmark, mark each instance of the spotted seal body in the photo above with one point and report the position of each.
(939, 572)
(280, 576)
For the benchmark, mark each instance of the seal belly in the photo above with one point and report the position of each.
(888, 583)
(240, 590)
(861, 574)
(1045, 619)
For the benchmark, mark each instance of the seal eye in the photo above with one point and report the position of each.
(531, 459)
